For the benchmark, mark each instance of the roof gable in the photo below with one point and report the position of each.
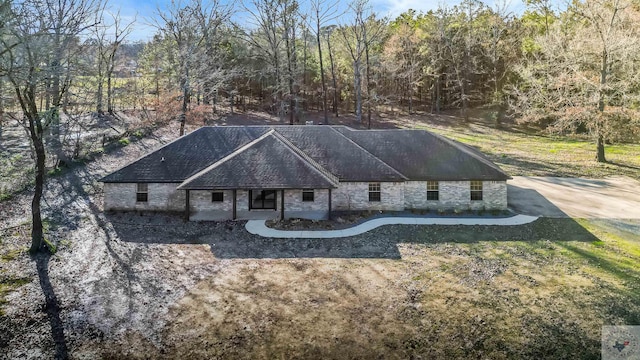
(265, 163)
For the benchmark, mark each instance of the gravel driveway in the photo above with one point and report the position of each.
(610, 198)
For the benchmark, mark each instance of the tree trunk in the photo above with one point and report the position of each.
(324, 85)
(185, 102)
(357, 82)
(36, 216)
(601, 158)
(368, 75)
(601, 104)
(333, 77)
(99, 108)
(109, 94)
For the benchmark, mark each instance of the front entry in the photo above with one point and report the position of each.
(262, 199)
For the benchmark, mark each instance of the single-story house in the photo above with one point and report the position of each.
(266, 172)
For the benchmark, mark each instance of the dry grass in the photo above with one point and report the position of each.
(444, 300)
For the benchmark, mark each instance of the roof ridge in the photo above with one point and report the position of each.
(314, 164)
(226, 158)
(368, 152)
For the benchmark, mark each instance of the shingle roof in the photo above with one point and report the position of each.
(338, 154)
(422, 155)
(265, 163)
(187, 155)
(306, 156)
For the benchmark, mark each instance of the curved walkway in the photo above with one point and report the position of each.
(258, 227)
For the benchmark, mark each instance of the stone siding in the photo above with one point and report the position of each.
(494, 195)
(395, 196)
(456, 195)
(355, 196)
(202, 208)
(161, 197)
(317, 209)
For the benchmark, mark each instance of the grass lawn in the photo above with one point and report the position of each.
(519, 153)
(453, 294)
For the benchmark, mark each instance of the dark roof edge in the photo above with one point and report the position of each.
(366, 151)
(148, 154)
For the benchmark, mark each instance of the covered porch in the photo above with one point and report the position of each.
(257, 204)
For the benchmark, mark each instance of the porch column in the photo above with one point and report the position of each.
(329, 204)
(234, 204)
(186, 207)
(282, 205)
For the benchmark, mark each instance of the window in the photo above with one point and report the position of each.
(217, 196)
(374, 192)
(263, 199)
(307, 195)
(433, 191)
(142, 193)
(476, 190)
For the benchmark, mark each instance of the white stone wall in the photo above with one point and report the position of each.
(456, 195)
(355, 196)
(348, 196)
(293, 200)
(494, 195)
(202, 208)
(161, 197)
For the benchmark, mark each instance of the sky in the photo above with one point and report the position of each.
(142, 11)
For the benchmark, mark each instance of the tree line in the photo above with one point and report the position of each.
(574, 69)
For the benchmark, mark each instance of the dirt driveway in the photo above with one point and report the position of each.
(610, 198)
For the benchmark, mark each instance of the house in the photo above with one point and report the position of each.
(264, 172)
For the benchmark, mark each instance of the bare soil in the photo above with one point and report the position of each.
(130, 285)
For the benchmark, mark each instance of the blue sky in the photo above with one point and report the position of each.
(143, 11)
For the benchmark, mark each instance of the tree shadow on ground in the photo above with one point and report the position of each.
(51, 306)
(229, 240)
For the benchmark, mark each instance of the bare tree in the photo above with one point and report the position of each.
(354, 39)
(65, 20)
(35, 37)
(328, 31)
(585, 72)
(191, 28)
(323, 11)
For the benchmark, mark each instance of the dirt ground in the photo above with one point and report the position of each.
(610, 198)
(128, 285)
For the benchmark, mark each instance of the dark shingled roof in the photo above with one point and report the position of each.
(187, 155)
(421, 155)
(266, 163)
(338, 154)
(306, 156)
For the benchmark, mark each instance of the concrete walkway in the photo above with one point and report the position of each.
(258, 227)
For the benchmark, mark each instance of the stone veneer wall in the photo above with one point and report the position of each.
(456, 195)
(161, 197)
(348, 196)
(355, 196)
(317, 209)
(202, 208)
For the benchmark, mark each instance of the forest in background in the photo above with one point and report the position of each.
(573, 70)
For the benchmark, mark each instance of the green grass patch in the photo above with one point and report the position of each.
(8, 285)
(124, 141)
(521, 153)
